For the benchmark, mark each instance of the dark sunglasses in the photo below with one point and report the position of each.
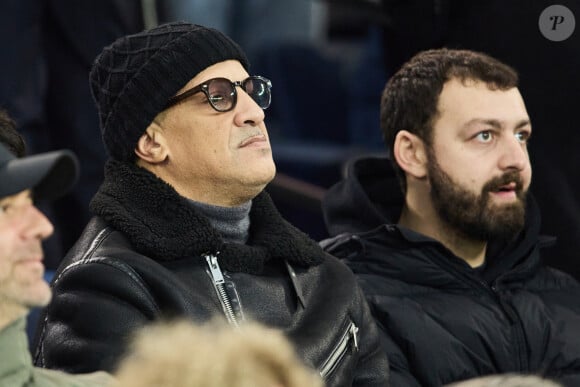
(222, 95)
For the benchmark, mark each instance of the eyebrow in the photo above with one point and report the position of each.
(495, 123)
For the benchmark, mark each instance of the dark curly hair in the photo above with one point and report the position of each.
(410, 98)
(9, 137)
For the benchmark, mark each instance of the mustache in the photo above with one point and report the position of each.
(496, 183)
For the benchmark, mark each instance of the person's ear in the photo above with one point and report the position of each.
(411, 154)
(152, 145)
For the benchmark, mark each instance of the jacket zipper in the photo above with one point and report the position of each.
(218, 282)
(349, 335)
(516, 323)
(523, 364)
(510, 313)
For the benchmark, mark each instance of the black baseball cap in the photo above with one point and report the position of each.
(49, 174)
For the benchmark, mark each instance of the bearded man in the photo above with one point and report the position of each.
(449, 257)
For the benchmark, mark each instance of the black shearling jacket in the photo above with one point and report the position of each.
(148, 254)
(441, 320)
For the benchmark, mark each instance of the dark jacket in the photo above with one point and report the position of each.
(148, 254)
(441, 320)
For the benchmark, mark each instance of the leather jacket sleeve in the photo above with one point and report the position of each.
(91, 315)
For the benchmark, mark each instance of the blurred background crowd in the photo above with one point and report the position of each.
(328, 61)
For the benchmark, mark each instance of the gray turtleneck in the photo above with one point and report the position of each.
(233, 223)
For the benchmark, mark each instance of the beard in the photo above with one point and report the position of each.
(476, 216)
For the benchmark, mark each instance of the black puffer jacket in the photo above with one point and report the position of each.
(147, 254)
(442, 321)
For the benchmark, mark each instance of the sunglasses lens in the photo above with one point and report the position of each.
(221, 94)
(259, 90)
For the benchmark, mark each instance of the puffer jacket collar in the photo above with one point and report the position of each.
(369, 198)
(161, 224)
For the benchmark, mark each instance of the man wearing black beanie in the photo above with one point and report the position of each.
(182, 224)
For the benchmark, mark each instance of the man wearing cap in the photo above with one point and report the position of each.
(183, 226)
(22, 229)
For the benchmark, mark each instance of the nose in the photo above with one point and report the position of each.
(247, 110)
(38, 226)
(514, 154)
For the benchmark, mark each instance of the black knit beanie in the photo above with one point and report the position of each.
(132, 79)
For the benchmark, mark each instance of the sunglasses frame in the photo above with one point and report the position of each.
(204, 88)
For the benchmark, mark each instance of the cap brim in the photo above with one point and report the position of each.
(49, 175)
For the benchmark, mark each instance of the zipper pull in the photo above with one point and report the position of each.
(214, 268)
(354, 332)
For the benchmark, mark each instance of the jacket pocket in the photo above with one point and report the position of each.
(347, 343)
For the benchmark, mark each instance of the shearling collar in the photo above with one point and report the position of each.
(164, 226)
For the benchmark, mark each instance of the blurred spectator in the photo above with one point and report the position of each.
(182, 354)
(508, 380)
